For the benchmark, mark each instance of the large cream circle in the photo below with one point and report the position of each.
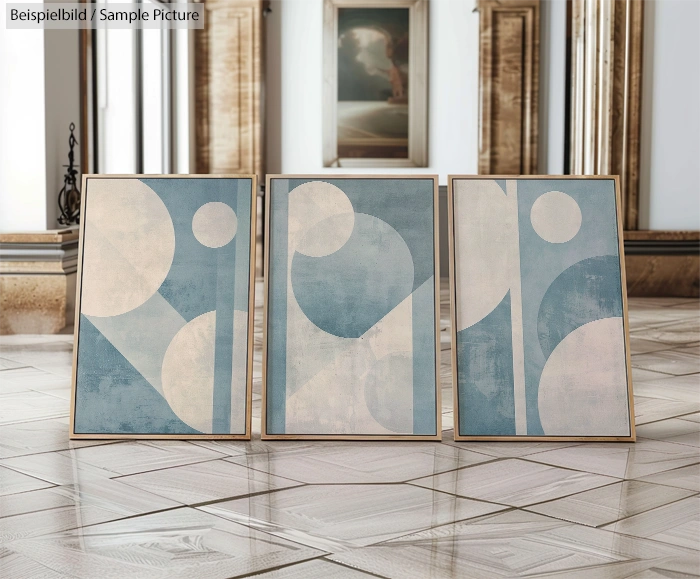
(188, 372)
(129, 246)
(214, 224)
(486, 238)
(583, 387)
(556, 217)
(321, 218)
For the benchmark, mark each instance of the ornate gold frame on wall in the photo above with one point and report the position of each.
(417, 84)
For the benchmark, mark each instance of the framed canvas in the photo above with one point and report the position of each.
(375, 83)
(164, 308)
(540, 338)
(351, 345)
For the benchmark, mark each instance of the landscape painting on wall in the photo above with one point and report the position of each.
(375, 83)
(351, 338)
(540, 334)
(165, 313)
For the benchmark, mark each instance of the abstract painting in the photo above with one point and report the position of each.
(375, 83)
(350, 349)
(539, 319)
(164, 319)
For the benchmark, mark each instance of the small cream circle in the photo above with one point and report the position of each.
(556, 217)
(214, 224)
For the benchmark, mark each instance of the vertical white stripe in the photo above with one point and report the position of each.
(516, 316)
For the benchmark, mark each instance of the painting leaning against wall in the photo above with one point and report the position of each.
(164, 317)
(540, 332)
(350, 348)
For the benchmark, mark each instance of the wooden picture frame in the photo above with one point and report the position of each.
(517, 423)
(330, 197)
(183, 338)
(417, 91)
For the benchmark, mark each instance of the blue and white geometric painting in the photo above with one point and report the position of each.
(351, 319)
(539, 314)
(162, 344)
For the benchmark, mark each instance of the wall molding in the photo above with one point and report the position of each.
(509, 54)
(228, 88)
(663, 263)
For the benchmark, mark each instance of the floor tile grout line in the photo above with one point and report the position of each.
(2, 458)
(465, 467)
(30, 476)
(264, 471)
(676, 417)
(120, 475)
(87, 464)
(462, 496)
(53, 417)
(247, 526)
(70, 506)
(573, 494)
(16, 368)
(639, 537)
(275, 568)
(669, 441)
(601, 525)
(347, 566)
(599, 474)
(664, 373)
(381, 482)
(226, 499)
(649, 510)
(507, 509)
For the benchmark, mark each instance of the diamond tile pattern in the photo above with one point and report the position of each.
(341, 510)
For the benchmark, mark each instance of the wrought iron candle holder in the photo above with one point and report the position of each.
(69, 195)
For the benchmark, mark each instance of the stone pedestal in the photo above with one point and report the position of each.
(37, 281)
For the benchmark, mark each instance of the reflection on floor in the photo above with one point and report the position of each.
(350, 510)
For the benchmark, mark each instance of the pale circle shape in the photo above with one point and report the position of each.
(323, 208)
(129, 246)
(486, 241)
(214, 224)
(556, 217)
(583, 387)
(327, 236)
(188, 372)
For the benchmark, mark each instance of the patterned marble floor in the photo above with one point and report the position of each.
(331, 510)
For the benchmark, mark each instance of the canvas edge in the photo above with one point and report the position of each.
(264, 435)
(453, 306)
(72, 435)
(630, 398)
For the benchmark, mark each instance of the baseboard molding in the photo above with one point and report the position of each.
(663, 263)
